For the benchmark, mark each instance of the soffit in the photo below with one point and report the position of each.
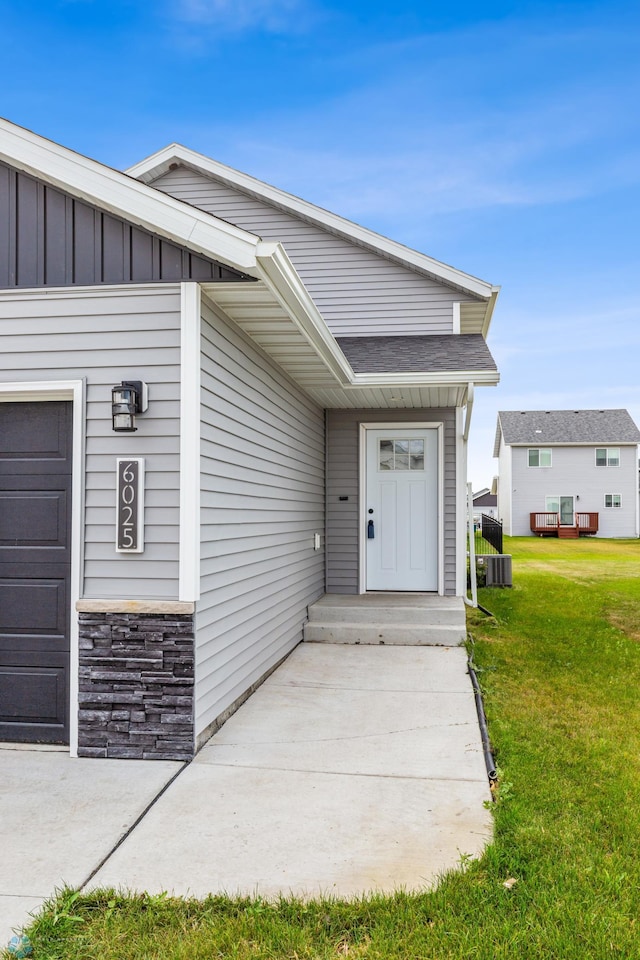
(262, 318)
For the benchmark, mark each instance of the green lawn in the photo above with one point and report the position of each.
(560, 669)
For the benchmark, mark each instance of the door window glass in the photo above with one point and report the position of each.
(401, 454)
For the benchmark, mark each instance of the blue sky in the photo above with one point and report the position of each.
(502, 138)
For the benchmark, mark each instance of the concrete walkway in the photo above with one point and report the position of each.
(59, 818)
(351, 769)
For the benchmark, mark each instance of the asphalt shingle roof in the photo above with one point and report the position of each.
(417, 354)
(565, 426)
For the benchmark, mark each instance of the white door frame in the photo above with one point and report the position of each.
(362, 494)
(74, 390)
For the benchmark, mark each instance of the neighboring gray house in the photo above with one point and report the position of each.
(485, 502)
(301, 389)
(567, 472)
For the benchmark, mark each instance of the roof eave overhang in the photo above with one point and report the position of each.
(282, 279)
(570, 443)
(127, 197)
(161, 162)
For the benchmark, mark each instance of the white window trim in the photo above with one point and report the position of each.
(607, 464)
(75, 391)
(362, 492)
(540, 466)
(612, 506)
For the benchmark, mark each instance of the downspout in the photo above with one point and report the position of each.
(473, 602)
(472, 552)
(468, 412)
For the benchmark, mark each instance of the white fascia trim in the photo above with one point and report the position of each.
(127, 197)
(574, 443)
(456, 377)
(189, 579)
(74, 390)
(159, 163)
(489, 311)
(282, 279)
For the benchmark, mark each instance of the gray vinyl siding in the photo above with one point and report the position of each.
(262, 479)
(573, 472)
(342, 531)
(357, 291)
(106, 335)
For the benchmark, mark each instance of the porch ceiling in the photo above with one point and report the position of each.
(320, 368)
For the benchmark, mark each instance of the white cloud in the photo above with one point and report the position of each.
(235, 16)
(416, 141)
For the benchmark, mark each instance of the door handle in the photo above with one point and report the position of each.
(370, 530)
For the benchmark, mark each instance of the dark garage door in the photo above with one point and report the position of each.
(35, 563)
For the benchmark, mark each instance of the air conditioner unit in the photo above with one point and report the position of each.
(499, 570)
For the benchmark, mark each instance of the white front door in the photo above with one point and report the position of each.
(401, 509)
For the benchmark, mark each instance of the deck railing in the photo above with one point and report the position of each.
(548, 522)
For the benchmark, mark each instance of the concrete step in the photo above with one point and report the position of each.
(446, 611)
(405, 634)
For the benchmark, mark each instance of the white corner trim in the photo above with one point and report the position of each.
(189, 584)
(74, 390)
(127, 197)
(461, 505)
(159, 163)
(456, 316)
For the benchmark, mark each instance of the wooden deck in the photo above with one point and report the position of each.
(548, 525)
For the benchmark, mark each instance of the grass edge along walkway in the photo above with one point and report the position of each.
(559, 667)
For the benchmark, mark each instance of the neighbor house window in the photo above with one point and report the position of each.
(539, 457)
(607, 456)
(612, 500)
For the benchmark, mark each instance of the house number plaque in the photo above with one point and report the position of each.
(130, 505)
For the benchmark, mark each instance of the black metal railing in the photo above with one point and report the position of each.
(488, 536)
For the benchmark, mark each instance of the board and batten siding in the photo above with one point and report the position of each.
(106, 335)
(573, 473)
(343, 516)
(262, 501)
(357, 291)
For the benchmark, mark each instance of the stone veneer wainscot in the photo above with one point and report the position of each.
(136, 685)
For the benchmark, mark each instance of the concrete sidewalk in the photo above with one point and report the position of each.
(60, 817)
(351, 769)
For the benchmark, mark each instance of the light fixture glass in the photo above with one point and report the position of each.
(127, 399)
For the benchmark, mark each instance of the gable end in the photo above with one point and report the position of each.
(49, 238)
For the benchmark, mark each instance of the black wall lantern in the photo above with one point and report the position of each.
(128, 399)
